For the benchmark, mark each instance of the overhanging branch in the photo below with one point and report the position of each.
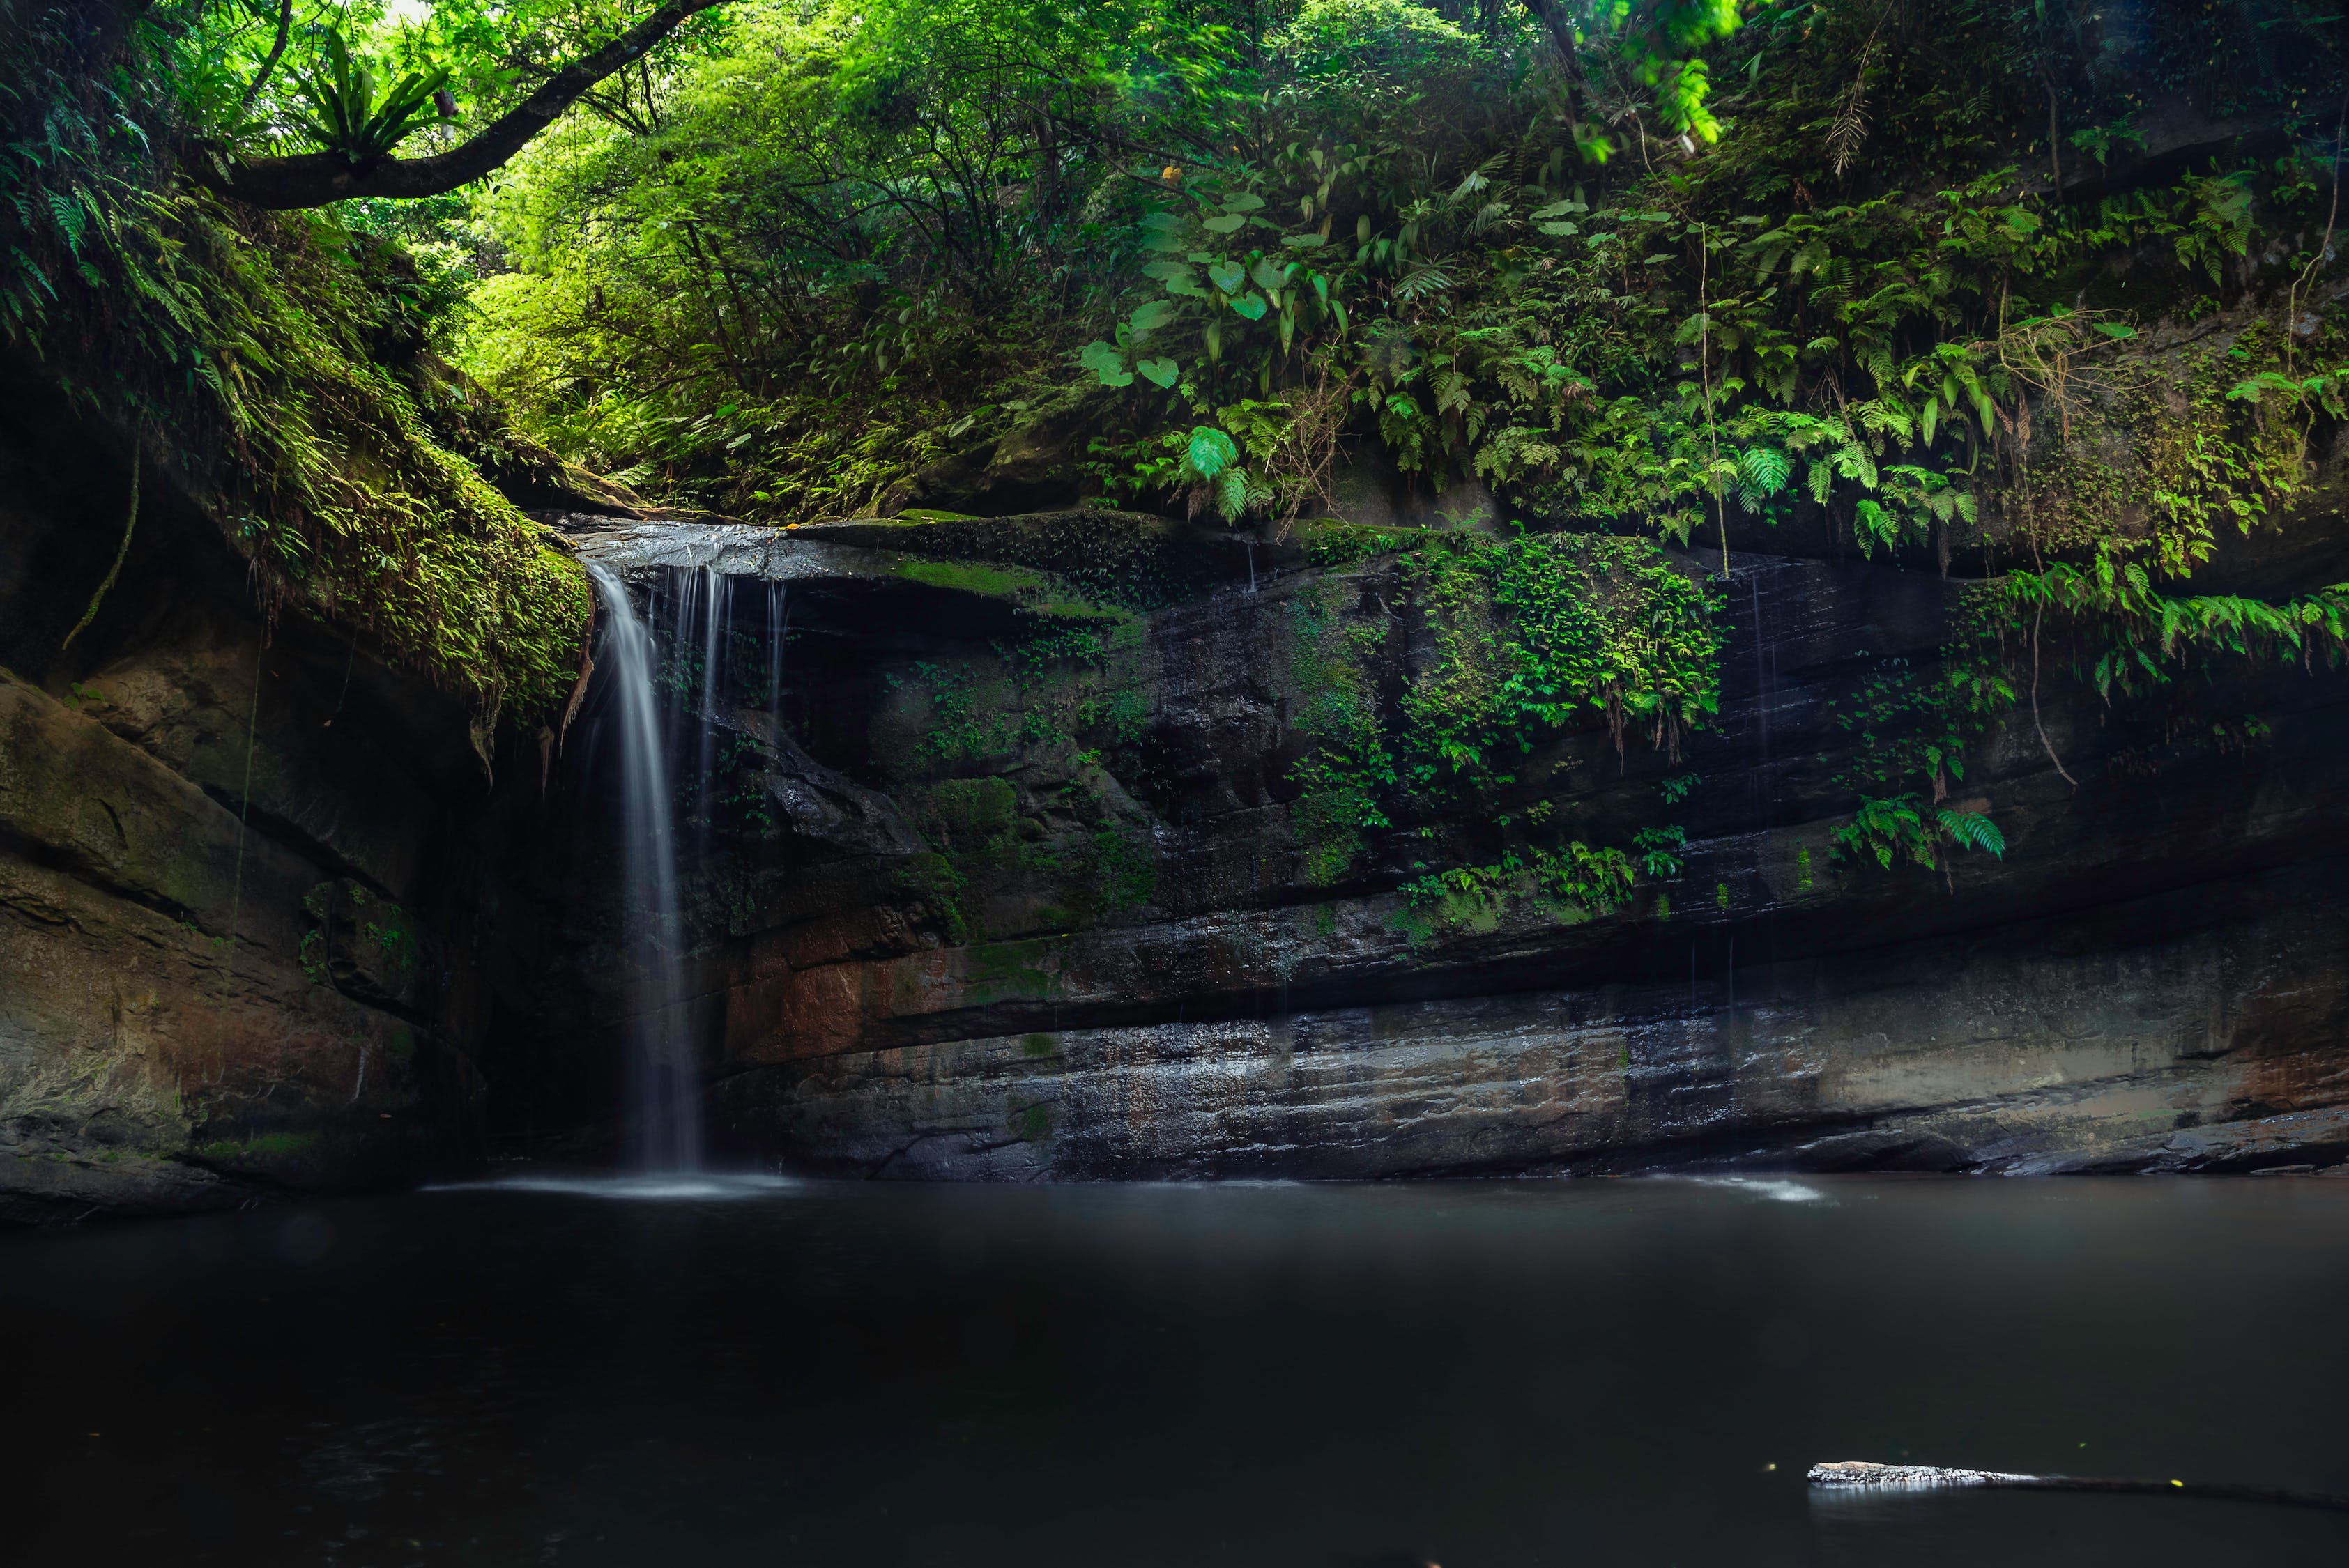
(315, 179)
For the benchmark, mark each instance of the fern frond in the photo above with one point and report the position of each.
(1974, 831)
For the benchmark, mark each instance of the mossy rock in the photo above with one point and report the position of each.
(1130, 559)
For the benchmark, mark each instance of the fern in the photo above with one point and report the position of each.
(344, 116)
(1972, 830)
(1762, 473)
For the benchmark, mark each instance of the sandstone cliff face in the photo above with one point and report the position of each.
(236, 945)
(1086, 938)
(962, 909)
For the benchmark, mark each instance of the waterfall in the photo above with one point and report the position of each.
(664, 1111)
(716, 609)
(778, 627)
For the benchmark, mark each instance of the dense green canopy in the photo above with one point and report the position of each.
(800, 250)
(1899, 272)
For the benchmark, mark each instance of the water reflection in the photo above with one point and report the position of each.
(567, 1369)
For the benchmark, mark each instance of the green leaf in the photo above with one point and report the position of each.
(1105, 361)
(1559, 230)
(1267, 274)
(1247, 201)
(1161, 371)
(1226, 275)
(1150, 316)
(1252, 306)
(1210, 451)
(1231, 493)
(2115, 329)
(1228, 223)
(1303, 241)
(1974, 831)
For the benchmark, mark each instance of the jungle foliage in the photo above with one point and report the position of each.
(1897, 270)
(276, 364)
(1856, 267)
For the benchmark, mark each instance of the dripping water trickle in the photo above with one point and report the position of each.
(779, 626)
(664, 1111)
(716, 606)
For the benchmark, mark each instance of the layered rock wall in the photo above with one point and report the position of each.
(2148, 979)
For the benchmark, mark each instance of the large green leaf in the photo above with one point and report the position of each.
(1227, 223)
(1210, 451)
(1226, 275)
(1250, 305)
(1180, 278)
(1161, 371)
(1105, 361)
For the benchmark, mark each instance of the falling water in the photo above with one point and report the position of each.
(717, 608)
(779, 626)
(664, 1097)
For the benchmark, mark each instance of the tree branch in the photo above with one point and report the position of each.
(1553, 18)
(315, 179)
(276, 53)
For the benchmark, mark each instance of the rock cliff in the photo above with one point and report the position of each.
(1008, 868)
(243, 927)
(1028, 921)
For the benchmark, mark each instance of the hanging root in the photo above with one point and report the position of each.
(2044, 741)
(130, 521)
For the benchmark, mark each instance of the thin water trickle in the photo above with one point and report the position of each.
(664, 1079)
(717, 603)
(779, 626)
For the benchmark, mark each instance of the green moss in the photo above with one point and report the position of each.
(1329, 542)
(1533, 637)
(973, 577)
(1033, 1123)
(277, 364)
(1008, 971)
(1123, 869)
(342, 496)
(970, 811)
(1100, 558)
(267, 1146)
(1348, 766)
(1036, 1045)
(1033, 592)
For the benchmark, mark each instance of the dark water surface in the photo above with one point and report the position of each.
(1476, 1374)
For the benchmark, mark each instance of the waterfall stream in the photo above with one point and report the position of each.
(664, 1110)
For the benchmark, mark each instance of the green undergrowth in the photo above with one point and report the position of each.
(1525, 641)
(2140, 472)
(278, 363)
(1883, 294)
